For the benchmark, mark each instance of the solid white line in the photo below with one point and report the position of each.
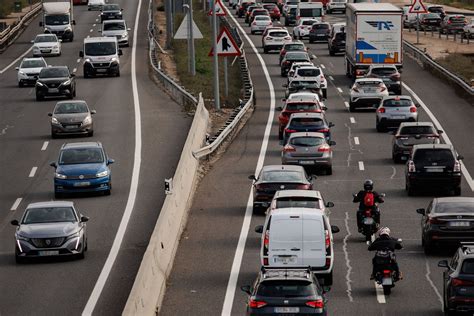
(16, 204)
(445, 137)
(361, 166)
(356, 140)
(379, 292)
(352, 120)
(427, 275)
(107, 268)
(339, 89)
(331, 77)
(45, 145)
(322, 66)
(32, 172)
(239, 252)
(16, 60)
(346, 104)
(348, 261)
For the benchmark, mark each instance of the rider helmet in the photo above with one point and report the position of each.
(368, 185)
(384, 231)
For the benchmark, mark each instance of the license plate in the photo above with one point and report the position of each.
(369, 90)
(49, 253)
(368, 221)
(278, 40)
(434, 169)
(287, 310)
(71, 126)
(459, 224)
(82, 184)
(398, 117)
(306, 162)
(53, 90)
(404, 158)
(285, 260)
(387, 281)
(101, 70)
(46, 51)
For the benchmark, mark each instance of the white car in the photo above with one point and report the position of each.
(295, 66)
(260, 23)
(275, 39)
(46, 45)
(367, 92)
(116, 28)
(303, 97)
(288, 4)
(303, 27)
(312, 72)
(300, 198)
(469, 30)
(29, 70)
(336, 5)
(94, 5)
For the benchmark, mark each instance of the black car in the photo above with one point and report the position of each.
(307, 122)
(410, 134)
(55, 81)
(319, 32)
(458, 281)
(337, 44)
(433, 166)
(285, 291)
(453, 23)
(389, 74)
(430, 21)
(290, 17)
(111, 11)
(277, 177)
(242, 9)
(293, 57)
(447, 221)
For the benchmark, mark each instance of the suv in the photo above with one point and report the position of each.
(393, 110)
(433, 165)
(389, 74)
(296, 106)
(336, 5)
(458, 280)
(118, 29)
(307, 122)
(101, 56)
(111, 11)
(55, 81)
(273, 287)
(275, 39)
(337, 43)
(453, 24)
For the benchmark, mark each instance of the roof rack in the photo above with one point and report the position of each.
(286, 272)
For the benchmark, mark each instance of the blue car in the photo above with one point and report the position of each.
(82, 167)
(307, 122)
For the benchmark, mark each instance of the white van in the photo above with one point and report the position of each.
(298, 237)
(101, 56)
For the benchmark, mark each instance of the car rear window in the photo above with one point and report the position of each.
(307, 141)
(306, 121)
(282, 176)
(262, 18)
(321, 26)
(468, 266)
(298, 201)
(309, 72)
(301, 106)
(289, 47)
(81, 155)
(33, 63)
(308, 22)
(454, 207)
(430, 156)
(285, 288)
(384, 71)
(278, 34)
(457, 19)
(415, 130)
(397, 103)
(48, 215)
(367, 84)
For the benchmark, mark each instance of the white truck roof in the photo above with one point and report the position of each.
(100, 39)
(373, 7)
(56, 7)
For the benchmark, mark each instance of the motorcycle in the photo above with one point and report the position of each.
(385, 275)
(369, 224)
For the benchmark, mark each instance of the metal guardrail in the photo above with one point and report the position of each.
(420, 55)
(11, 33)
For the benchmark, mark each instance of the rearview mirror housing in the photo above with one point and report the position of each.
(15, 222)
(259, 229)
(81, 54)
(246, 289)
(329, 204)
(421, 211)
(252, 177)
(53, 164)
(335, 229)
(443, 264)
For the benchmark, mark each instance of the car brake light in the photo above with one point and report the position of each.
(303, 187)
(381, 110)
(401, 137)
(457, 167)
(321, 77)
(288, 149)
(315, 304)
(265, 261)
(266, 240)
(359, 72)
(434, 220)
(413, 109)
(459, 282)
(270, 23)
(256, 304)
(449, 21)
(324, 130)
(328, 240)
(382, 89)
(288, 130)
(411, 166)
(282, 52)
(324, 149)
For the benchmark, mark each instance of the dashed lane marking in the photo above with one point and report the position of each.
(74, 70)
(32, 172)
(346, 104)
(45, 145)
(361, 166)
(322, 66)
(78, 60)
(339, 89)
(379, 292)
(356, 140)
(331, 77)
(16, 204)
(348, 261)
(352, 120)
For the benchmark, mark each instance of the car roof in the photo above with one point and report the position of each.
(282, 167)
(432, 146)
(309, 67)
(405, 124)
(298, 193)
(306, 114)
(454, 199)
(32, 58)
(395, 97)
(368, 79)
(82, 145)
(50, 204)
(113, 21)
(100, 39)
(307, 134)
(71, 101)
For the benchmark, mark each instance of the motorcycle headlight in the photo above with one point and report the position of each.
(65, 83)
(87, 120)
(60, 176)
(54, 120)
(102, 174)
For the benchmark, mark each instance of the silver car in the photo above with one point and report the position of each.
(53, 228)
(29, 70)
(394, 110)
(308, 149)
(72, 117)
(118, 29)
(367, 92)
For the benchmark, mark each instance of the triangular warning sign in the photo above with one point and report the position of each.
(220, 11)
(226, 46)
(418, 7)
(182, 32)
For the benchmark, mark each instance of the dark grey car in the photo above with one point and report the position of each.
(72, 117)
(319, 32)
(53, 228)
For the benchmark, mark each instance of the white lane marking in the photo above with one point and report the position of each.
(88, 36)
(322, 66)
(361, 166)
(314, 56)
(78, 60)
(45, 145)
(379, 292)
(107, 268)
(348, 261)
(94, 24)
(356, 140)
(74, 70)
(339, 89)
(346, 104)
(97, 20)
(16, 60)
(445, 137)
(239, 252)
(32, 172)
(352, 120)
(331, 77)
(394, 172)
(435, 289)
(91, 30)
(16, 204)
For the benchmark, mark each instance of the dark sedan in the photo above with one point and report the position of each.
(293, 57)
(277, 177)
(307, 122)
(430, 21)
(55, 81)
(111, 11)
(447, 220)
(72, 117)
(53, 228)
(319, 32)
(453, 23)
(337, 43)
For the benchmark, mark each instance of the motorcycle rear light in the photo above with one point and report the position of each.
(257, 304)
(385, 272)
(413, 109)
(411, 166)
(457, 167)
(289, 149)
(381, 110)
(315, 304)
(287, 130)
(324, 149)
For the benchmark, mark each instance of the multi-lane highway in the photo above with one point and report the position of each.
(219, 249)
(139, 126)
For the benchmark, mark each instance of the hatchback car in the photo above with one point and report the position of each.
(433, 166)
(55, 81)
(319, 32)
(293, 57)
(53, 228)
(111, 11)
(447, 221)
(468, 30)
(393, 110)
(439, 9)
(307, 122)
(458, 281)
(258, 12)
(118, 29)
(82, 167)
(336, 5)
(295, 46)
(94, 5)
(286, 291)
(296, 106)
(309, 85)
(275, 39)
(367, 92)
(311, 73)
(389, 74)
(410, 134)
(259, 24)
(277, 177)
(303, 27)
(337, 43)
(46, 45)
(301, 199)
(453, 23)
(274, 11)
(303, 97)
(29, 70)
(71, 117)
(290, 16)
(308, 149)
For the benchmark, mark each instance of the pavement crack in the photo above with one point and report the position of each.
(427, 275)
(352, 148)
(348, 261)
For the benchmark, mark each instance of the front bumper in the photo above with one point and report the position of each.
(101, 68)
(85, 185)
(68, 248)
(44, 91)
(78, 129)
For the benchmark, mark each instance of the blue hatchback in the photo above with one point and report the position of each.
(82, 167)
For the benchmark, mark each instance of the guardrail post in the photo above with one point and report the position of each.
(447, 34)
(432, 32)
(462, 37)
(439, 33)
(455, 36)
(424, 31)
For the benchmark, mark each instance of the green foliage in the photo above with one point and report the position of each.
(460, 64)
(463, 4)
(8, 6)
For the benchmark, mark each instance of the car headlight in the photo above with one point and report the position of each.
(124, 35)
(60, 176)
(35, 48)
(56, 46)
(87, 60)
(75, 235)
(54, 120)
(102, 174)
(87, 120)
(39, 84)
(68, 29)
(20, 237)
(114, 60)
(65, 83)
(21, 72)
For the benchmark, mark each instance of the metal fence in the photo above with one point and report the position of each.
(433, 31)
(10, 34)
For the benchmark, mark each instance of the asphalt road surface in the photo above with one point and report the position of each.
(219, 249)
(60, 287)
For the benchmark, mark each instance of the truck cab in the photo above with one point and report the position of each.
(101, 56)
(58, 19)
(310, 10)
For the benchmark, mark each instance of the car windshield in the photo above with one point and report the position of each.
(278, 34)
(56, 19)
(100, 49)
(369, 84)
(434, 156)
(310, 106)
(111, 7)
(397, 103)
(81, 155)
(306, 121)
(309, 72)
(454, 207)
(305, 84)
(33, 63)
(468, 266)
(384, 71)
(297, 56)
(71, 107)
(285, 288)
(298, 201)
(321, 26)
(46, 39)
(307, 141)
(294, 47)
(54, 73)
(114, 26)
(417, 130)
(49, 215)
(282, 176)
(430, 16)
(262, 18)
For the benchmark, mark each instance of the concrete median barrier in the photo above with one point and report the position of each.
(150, 283)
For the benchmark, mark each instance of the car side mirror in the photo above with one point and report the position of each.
(440, 131)
(81, 54)
(41, 23)
(417, 105)
(17, 68)
(252, 177)
(60, 40)
(460, 157)
(121, 9)
(73, 22)
(283, 100)
(73, 74)
(110, 161)
(259, 229)
(120, 52)
(331, 143)
(50, 114)
(443, 264)
(279, 108)
(32, 41)
(100, 31)
(93, 112)
(335, 229)
(15, 223)
(421, 211)
(246, 289)
(53, 164)
(312, 177)
(331, 124)
(311, 58)
(84, 219)
(129, 29)
(284, 85)
(324, 108)
(329, 204)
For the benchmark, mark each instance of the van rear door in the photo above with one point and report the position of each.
(314, 248)
(285, 240)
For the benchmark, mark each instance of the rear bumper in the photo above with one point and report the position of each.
(309, 162)
(388, 122)
(434, 181)
(450, 237)
(365, 102)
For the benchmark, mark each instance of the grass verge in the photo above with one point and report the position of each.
(462, 4)
(8, 6)
(461, 64)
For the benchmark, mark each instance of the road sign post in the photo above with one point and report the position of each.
(226, 79)
(216, 58)
(417, 28)
(417, 7)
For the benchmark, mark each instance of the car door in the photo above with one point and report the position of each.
(424, 218)
(314, 250)
(285, 241)
(447, 272)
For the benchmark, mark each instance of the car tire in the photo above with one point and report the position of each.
(286, 23)
(280, 134)
(325, 93)
(19, 259)
(410, 190)
(20, 84)
(329, 171)
(427, 248)
(331, 53)
(71, 95)
(54, 135)
(90, 134)
(57, 195)
(117, 74)
(457, 191)
(396, 158)
(311, 41)
(39, 97)
(252, 32)
(351, 107)
(265, 50)
(379, 128)
(328, 279)
(74, 92)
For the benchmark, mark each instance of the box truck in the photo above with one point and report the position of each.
(58, 19)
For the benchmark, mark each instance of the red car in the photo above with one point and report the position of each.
(273, 10)
(296, 107)
(80, 1)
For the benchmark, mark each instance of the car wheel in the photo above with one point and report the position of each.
(410, 189)
(71, 95)
(329, 171)
(457, 191)
(117, 73)
(286, 23)
(74, 92)
(90, 134)
(380, 128)
(252, 32)
(351, 107)
(325, 93)
(331, 53)
(39, 97)
(20, 84)
(57, 195)
(428, 248)
(396, 158)
(19, 259)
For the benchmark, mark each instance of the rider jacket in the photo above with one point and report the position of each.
(385, 243)
(359, 198)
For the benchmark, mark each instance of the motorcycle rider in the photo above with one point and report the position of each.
(386, 243)
(368, 198)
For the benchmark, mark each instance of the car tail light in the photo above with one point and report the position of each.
(449, 21)
(256, 304)
(265, 261)
(434, 220)
(268, 38)
(312, 31)
(328, 259)
(411, 166)
(289, 149)
(460, 282)
(287, 37)
(254, 23)
(328, 240)
(303, 187)
(355, 89)
(266, 240)
(457, 167)
(324, 130)
(381, 110)
(288, 130)
(324, 149)
(413, 109)
(401, 137)
(315, 304)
